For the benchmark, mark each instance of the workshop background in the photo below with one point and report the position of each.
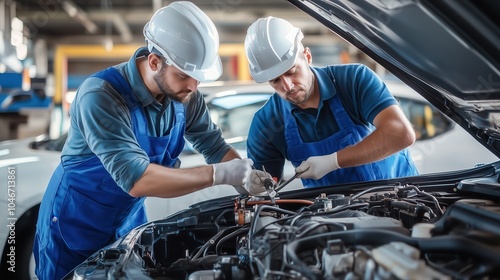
(48, 47)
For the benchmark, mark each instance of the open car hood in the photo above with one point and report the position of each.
(448, 51)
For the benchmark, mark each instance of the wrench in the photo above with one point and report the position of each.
(269, 184)
(282, 185)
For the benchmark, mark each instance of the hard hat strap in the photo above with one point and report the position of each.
(176, 61)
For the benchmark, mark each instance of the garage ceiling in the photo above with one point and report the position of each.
(92, 21)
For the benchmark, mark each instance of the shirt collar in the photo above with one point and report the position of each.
(326, 85)
(135, 79)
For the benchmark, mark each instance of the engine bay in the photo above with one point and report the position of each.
(382, 232)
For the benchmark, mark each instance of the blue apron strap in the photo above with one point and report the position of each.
(118, 82)
(292, 135)
(180, 116)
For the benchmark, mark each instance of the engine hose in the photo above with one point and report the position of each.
(355, 237)
(439, 244)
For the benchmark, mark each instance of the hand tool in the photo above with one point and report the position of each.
(269, 184)
(282, 185)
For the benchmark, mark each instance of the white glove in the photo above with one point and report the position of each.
(318, 166)
(254, 184)
(233, 172)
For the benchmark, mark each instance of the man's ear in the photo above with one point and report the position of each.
(308, 55)
(154, 61)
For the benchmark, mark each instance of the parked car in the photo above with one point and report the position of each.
(433, 226)
(25, 170)
(232, 106)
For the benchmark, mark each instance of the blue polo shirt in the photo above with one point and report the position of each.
(363, 96)
(101, 124)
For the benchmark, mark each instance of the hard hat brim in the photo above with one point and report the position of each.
(275, 71)
(209, 74)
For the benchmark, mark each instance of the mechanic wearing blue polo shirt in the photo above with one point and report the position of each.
(128, 124)
(336, 124)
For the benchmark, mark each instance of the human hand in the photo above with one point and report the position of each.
(255, 182)
(318, 166)
(233, 172)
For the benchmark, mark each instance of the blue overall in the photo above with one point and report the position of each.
(396, 165)
(83, 208)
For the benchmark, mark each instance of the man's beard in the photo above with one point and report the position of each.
(299, 99)
(304, 98)
(167, 90)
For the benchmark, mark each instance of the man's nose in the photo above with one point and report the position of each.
(287, 83)
(192, 84)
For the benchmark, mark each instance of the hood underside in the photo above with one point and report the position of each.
(448, 51)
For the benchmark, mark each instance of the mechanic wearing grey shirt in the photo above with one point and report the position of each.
(128, 124)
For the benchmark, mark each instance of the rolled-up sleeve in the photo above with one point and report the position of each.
(205, 135)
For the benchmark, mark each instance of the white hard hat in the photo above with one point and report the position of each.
(187, 38)
(271, 46)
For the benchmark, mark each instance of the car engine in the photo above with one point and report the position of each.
(382, 232)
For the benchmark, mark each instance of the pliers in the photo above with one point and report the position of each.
(270, 186)
(283, 184)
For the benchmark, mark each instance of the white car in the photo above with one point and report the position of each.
(25, 172)
(29, 163)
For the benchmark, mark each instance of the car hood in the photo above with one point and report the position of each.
(14, 152)
(29, 153)
(445, 50)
